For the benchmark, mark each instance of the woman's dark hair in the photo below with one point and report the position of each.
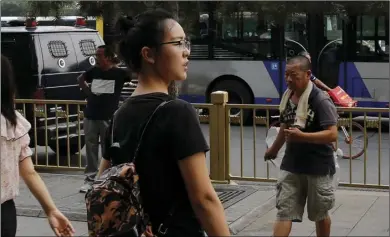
(146, 29)
(109, 53)
(8, 91)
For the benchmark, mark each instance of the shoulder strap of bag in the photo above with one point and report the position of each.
(168, 220)
(146, 126)
(117, 144)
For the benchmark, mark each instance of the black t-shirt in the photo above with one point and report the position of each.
(106, 88)
(173, 134)
(310, 158)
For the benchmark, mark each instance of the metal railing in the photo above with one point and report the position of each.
(360, 168)
(56, 124)
(233, 155)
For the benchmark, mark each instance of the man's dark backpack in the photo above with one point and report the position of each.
(114, 204)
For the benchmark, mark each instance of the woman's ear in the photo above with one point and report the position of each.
(148, 55)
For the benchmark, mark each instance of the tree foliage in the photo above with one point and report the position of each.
(188, 11)
(13, 8)
(48, 8)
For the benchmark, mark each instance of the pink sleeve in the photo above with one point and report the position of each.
(25, 149)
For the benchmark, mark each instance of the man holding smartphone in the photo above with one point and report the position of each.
(308, 165)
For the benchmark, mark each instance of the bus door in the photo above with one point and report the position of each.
(288, 40)
(330, 52)
(366, 69)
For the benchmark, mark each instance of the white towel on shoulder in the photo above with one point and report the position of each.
(303, 105)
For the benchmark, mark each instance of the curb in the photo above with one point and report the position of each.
(247, 219)
(74, 215)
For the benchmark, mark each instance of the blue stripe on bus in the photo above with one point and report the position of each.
(373, 104)
(202, 99)
(275, 101)
(354, 84)
(273, 71)
(193, 98)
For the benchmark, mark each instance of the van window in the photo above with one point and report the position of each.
(58, 53)
(57, 49)
(88, 47)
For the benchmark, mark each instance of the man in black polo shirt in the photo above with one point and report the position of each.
(103, 96)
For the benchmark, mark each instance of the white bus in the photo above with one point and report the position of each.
(244, 53)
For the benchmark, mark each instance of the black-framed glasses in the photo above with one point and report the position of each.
(183, 44)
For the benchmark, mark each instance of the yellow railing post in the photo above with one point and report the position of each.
(217, 135)
(100, 25)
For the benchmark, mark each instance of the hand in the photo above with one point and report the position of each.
(60, 224)
(270, 154)
(293, 134)
(148, 231)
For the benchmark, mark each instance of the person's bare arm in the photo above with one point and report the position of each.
(58, 222)
(327, 118)
(272, 151)
(83, 84)
(321, 85)
(203, 198)
(36, 185)
(104, 164)
(279, 140)
(326, 136)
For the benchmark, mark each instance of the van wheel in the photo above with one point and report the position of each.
(238, 94)
(63, 149)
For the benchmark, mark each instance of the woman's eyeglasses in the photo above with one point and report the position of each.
(184, 44)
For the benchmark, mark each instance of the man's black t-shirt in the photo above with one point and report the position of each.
(173, 134)
(106, 87)
(310, 158)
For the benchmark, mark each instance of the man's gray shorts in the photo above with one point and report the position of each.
(292, 190)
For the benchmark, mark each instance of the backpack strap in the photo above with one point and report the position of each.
(120, 144)
(146, 126)
(162, 229)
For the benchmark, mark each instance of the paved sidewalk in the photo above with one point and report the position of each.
(35, 226)
(238, 200)
(249, 208)
(356, 213)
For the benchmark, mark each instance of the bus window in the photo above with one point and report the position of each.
(242, 35)
(196, 22)
(333, 27)
(365, 26)
(382, 26)
(371, 39)
(295, 34)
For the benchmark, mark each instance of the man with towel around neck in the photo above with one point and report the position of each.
(309, 126)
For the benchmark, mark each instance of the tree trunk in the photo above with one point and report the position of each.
(111, 13)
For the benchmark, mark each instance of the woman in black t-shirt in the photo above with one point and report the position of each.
(171, 162)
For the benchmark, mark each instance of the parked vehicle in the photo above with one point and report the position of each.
(47, 61)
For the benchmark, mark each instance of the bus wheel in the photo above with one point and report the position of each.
(238, 94)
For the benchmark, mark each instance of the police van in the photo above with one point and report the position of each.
(47, 61)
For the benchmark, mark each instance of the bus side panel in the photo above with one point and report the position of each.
(277, 78)
(202, 73)
(376, 78)
(366, 82)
